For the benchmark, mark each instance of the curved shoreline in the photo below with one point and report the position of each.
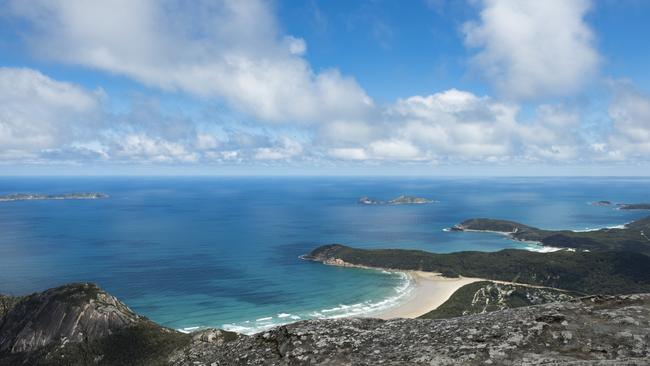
(430, 290)
(372, 308)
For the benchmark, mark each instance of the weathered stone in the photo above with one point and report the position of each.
(69, 313)
(598, 330)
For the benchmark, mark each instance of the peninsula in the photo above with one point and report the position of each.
(41, 197)
(602, 272)
(633, 236)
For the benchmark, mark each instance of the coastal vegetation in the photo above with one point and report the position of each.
(634, 236)
(602, 272)
(486, 296)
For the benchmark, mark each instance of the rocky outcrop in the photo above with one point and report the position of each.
(82, 325)
(598, 330)
(630, 237)
(486, 296)
(69, 313)
(6, 304)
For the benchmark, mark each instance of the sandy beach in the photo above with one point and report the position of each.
(430, 291)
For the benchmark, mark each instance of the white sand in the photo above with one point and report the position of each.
(431, 290)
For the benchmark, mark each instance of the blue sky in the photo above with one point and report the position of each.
(427, 87)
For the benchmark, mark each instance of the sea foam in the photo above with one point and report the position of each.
(365, 308)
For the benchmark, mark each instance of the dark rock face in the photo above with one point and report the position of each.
(69, 313)
(598, 330)
(6, 304)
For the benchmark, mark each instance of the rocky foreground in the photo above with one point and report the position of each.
(82, 325)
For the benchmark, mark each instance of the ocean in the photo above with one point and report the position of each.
(224, 252)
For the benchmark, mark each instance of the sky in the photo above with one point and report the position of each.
(336, 87)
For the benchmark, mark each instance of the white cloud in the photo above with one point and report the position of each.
(531, 49)
(345, 131)
(233, 50)
(37, 112)
(288, 149)
(630, 115)
(226, 49)
(457, 123)
(42, 119)
(297, 46)
(206, 141)
(142, 148)
(348, 153)
(458, 126)
(394, 150)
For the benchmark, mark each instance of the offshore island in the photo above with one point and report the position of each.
(401, 200)
(41, 197)
(587, 302)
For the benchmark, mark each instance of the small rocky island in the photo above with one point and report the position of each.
(401, 200)
(601, 203)
(41, 197)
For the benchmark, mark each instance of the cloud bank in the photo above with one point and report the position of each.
(279, 110)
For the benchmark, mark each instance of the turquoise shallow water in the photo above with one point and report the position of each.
(191, 252)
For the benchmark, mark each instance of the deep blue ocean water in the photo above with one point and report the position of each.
(223, 252)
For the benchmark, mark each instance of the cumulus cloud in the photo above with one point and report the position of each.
(230, 50)
(37, 112)
(459, 126)
(630, 115)
(457, 123)
(531, 49)
(234, 51)
(552, 136)
(142, 148)
(287, 149)
(44, 120)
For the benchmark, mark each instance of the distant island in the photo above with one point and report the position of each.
(601, 203)
(623, 206)
(401, 200)
(634, 236)
(634, 206)
(41, 197)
